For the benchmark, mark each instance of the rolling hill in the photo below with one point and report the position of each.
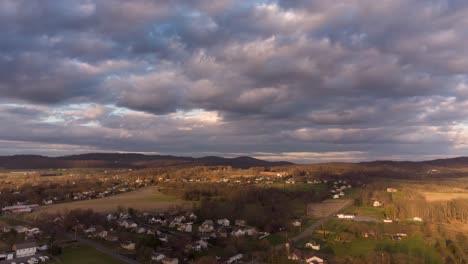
(126, 160)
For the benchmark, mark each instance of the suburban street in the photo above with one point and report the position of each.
(84, 241)
(310, 230)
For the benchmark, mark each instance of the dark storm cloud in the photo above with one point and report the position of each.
(303, 80)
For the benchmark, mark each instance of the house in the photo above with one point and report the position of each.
(111, 217)
(290, 181)
(296, 223)
(167, 260)
(102, 234)
(20, 229)
(206, 227)
(295, 255)
(185, 227)
(239, 222)
(90, 230)
(128, 246)
(251, 231)
(234, 258)
(388, 221)
(202, 244)
(179, 219)
(313, 259)
(391, 190)
(25, 249)
(33, 231)
(43, 247)
(223, 222)
(4, 227)
(376, 204)
(400, 235)
(238, 233)
(417, 219)
(112, 238)
(312, 245)
(157, 257)
(343, 216)
(141, 230)
(336, 196)
(193, 216)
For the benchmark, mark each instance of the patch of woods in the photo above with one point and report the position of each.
(406, 204)
(266, 207)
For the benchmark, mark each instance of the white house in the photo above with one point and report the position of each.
(251, 231)
(157, 257)
(223, 222)
(234, 258)
(343, 216)
(90, 230)
(128, 246)
(167, 260)
(313, 259)
(312, 245)
(336, 196)
(25, 249)
(387, 221)
(238, 233)
(20, 229)
(417, 219)
(296, 223)
(376, 204)
(240, 222)
(206, 227)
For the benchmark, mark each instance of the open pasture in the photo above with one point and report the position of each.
(326, 207)
(444, 196)
(147, 199)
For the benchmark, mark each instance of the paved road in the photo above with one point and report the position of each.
(87, 242)
(310, 230)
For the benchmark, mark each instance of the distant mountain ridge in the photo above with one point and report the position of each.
(126, 160)
(446, 162)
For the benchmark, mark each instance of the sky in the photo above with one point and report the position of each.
(298, 80)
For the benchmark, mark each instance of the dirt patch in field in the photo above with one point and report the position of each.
(326, 207)
(457, 227)
(442, 196)
(147, 199)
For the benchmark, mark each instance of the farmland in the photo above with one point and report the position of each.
(444, 196)
(326, 207)
(148, 199)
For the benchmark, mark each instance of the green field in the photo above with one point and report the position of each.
(377, 212)
(10, 221)
(78, 254)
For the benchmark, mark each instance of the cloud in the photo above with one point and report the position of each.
(303, 80)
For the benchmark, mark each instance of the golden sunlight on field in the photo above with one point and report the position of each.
(148, 199)
(326, 207)
(444, 196)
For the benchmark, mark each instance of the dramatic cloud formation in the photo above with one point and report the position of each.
(298, 80)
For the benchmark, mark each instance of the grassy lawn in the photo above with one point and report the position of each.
(414, 246)
(78, 254)
(377, 212)
(11, 221)
(277, 238)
